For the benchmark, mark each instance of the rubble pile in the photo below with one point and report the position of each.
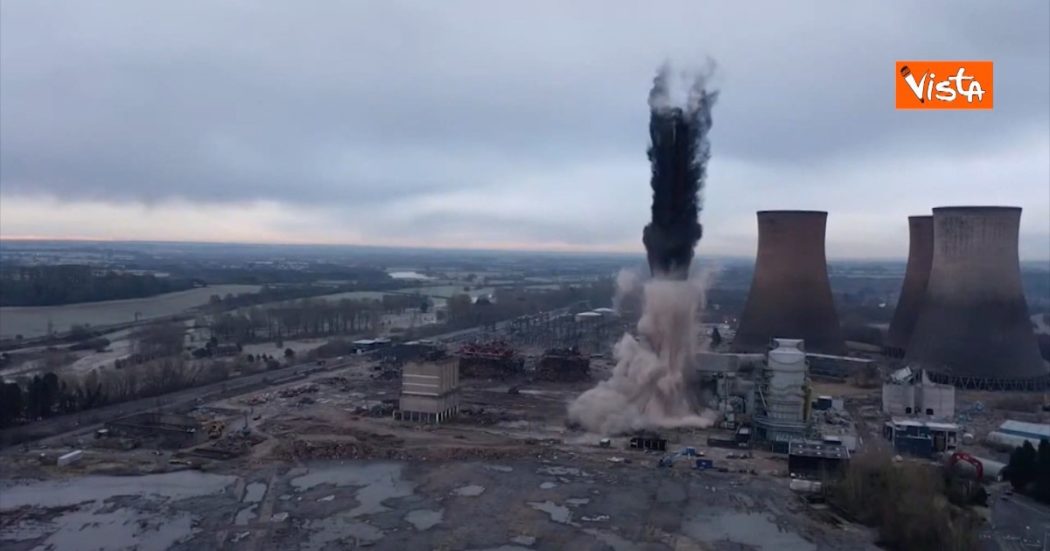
(228, 446)
(338, 381)
(297, 390)
(381, 409)
(387, 370)
(563, 365)
(492, 360)
(481, 416)
(305, 450)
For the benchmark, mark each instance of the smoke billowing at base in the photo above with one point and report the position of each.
(647, 388)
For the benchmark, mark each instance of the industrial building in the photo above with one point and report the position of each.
(564, 365)
(429, 391)
(1016, 433)
(833, 366)
(912, 393)
(781, 398)
(714, 362)
(790, 295)
(816, 460)
(973, 328)
(913, 289)
(921, 438)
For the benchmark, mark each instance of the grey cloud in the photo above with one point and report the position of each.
(374, 103)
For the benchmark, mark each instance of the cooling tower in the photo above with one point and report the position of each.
(917, 274)
(973, 326)
(790, 295)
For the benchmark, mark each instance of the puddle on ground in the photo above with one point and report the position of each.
(254, 492)
(561, 471)
(378, 482)
(577, 501)
(523, 540)
(119, 529)
(558, 513)
(548, 485)
(244, 516)
(471, 490)
(500, 468)
(423, 519)
(70, 491)
(612, 540)
(93, 521)
(757, 530)
(342, 528)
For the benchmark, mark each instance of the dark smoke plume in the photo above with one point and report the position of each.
(678, 155)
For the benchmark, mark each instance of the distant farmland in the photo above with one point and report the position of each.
(32, 321)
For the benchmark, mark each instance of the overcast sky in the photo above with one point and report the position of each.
(502, 124)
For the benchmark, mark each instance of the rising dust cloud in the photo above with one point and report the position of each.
(647, 389)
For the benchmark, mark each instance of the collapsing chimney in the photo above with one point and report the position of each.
(678, 159)
(973, 327)
(790, 293)
(916, 276)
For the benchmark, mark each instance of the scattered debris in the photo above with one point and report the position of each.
(70, 458)
(563, 365)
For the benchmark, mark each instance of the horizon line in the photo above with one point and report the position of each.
(596, 252)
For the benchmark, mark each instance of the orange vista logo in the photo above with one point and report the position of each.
(944, 85)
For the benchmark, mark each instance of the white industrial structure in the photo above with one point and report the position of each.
(782, 393)
(911, 392)
(429, 391)
(1016, 433)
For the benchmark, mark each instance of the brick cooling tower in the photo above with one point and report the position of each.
(973, 328)
(790, 294)
(916, 276)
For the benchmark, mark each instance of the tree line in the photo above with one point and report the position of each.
(48, 395)
(66, 284)
(309, 318)
(1029, 470)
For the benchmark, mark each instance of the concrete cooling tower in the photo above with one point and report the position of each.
(790, 294)
(917, 274)
(973, 328)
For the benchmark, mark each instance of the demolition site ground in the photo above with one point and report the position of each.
(320, 463)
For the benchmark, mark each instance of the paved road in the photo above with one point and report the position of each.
(1017, 523)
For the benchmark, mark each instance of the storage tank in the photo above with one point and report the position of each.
(790, 293)
(785, 381)
(973, 327)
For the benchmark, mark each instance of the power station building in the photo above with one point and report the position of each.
(913, 290)
(429, 391)
(973, 327)
(790, 294)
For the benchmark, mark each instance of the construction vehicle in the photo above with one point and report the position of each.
(969, 466)
(669, 459)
